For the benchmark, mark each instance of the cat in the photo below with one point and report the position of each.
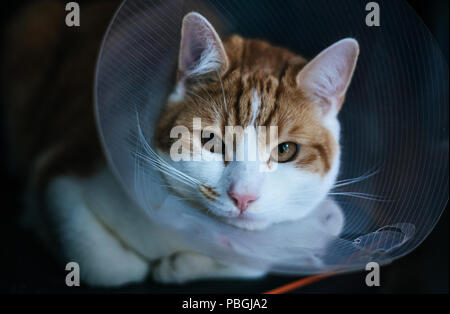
(80, 211)
(252, 83)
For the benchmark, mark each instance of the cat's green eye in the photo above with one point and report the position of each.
(285, 152)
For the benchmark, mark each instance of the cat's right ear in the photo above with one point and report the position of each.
(326, 78)
(201, 50)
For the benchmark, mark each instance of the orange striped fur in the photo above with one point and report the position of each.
(271, 70)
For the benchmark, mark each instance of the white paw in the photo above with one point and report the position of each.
(188, 266)
(112, 271)
(103, 257)
(181, 267)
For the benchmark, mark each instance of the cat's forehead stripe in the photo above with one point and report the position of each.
(256, 102)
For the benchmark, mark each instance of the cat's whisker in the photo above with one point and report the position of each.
(168, 170)
(216, 105)
(170, 187)
(198, 96)
(223, 92)
(185, 198)
(355, 180)
(361, 195)
(167, 166)
(157, 162)
(206, 102)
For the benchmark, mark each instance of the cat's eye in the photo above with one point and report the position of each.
(210, 141)
(285, 152)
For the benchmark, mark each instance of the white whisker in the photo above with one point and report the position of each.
(154, 160)
(223, 92)
(355, 180)
(360, 195)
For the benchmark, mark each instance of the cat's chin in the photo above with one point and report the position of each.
(247, 223)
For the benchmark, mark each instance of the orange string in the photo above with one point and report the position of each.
(298, 284)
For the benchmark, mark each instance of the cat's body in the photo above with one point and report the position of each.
(78, 208)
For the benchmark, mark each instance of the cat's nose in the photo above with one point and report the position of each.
(242, 200)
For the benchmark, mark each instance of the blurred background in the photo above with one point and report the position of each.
(27, 267)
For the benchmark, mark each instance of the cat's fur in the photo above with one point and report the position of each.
(73, 201)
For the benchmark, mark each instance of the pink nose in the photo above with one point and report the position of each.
(241, 200)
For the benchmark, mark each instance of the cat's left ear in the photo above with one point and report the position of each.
(326, 78)
(201, 50)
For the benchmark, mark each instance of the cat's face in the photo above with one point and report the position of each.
(251, 84)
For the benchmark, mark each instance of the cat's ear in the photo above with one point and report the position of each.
(326, 78)
(201, 50)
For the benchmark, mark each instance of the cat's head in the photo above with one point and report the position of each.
(250, 83)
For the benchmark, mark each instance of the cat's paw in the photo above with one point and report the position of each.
(118, 269)
(185, 266)
(103, 258)
(188, 266)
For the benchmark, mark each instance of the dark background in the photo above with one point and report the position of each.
(26, 267)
